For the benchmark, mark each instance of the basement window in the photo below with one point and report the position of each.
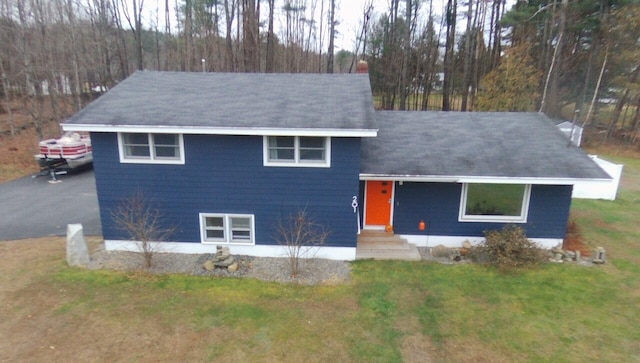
(151, 148)
(227, 228)
(506, 203)
(306, 151)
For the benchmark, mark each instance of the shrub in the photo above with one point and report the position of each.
(508, 249)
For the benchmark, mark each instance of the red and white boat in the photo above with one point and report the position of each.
(71, 150)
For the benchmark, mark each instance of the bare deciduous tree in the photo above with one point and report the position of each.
(143, 222)
(300, 236)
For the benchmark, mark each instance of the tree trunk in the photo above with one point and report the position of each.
(229, 16)
(635, 128)
(466, 70)
(188, 35)
(332, 35)
(587, 120)
(121, 43)
(618, 111)
(137, 13)
(550, 91)
(250, 20)
(270, 61)
(405, 58)
(447, 85)
(7, 97)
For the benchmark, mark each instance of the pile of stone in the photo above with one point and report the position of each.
(222, 259)
(559, 255)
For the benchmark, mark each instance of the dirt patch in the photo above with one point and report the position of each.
(573, 240)
(17, 151)
(417, 348)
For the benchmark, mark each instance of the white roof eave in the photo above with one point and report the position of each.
(257, 131)
(476, 179)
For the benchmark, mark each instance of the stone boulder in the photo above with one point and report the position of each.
(77, 250)
(440, 251)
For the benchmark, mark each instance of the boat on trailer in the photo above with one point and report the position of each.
(70, 151)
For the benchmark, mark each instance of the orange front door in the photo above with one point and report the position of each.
(378, 199)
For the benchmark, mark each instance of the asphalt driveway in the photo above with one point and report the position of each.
(32, 208)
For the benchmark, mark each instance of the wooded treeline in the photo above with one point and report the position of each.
(548, 56)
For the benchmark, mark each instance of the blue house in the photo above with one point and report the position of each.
(225, 157)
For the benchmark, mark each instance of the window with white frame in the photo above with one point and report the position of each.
(507, 203)
(227, 228)
(313, 151)
(151, 148)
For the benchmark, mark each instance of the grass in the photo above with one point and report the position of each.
(464, 312)
(389, 312)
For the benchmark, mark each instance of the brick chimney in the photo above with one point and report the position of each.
(362, 67)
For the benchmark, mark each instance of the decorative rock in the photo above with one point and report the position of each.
(465, 251)
(466, 245)
(578, 258)
(209, 266)
(222, 258)
(440, 251)
(454, 254)
(77, 251)
(224, 263)
(233, 267)
(599, 255)
(222, 253)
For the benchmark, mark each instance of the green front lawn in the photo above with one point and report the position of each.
(389, 312)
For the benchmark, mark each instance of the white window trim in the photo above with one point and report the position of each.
(326, 163)
(522, 218)
(151, 159)
(227, 229)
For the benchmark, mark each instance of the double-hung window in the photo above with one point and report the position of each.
(151, 148)
(507, 203)
(227, 228)
(311, 151)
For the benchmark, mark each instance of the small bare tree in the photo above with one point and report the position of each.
(300, 236)
(143, 222)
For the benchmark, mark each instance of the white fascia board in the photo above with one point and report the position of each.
(520, 180)
(256, 131)
(475, 179)
(409, 178)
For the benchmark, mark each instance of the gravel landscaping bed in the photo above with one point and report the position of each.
(313, 271)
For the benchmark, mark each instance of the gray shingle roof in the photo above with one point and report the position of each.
(243, 100)
(473, 144)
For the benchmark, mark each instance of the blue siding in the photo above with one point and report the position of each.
(225, 174)
(438, 204)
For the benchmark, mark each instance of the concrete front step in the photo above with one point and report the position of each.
(389, 247)
(381, 240)
(385, 246)
(379, 254)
